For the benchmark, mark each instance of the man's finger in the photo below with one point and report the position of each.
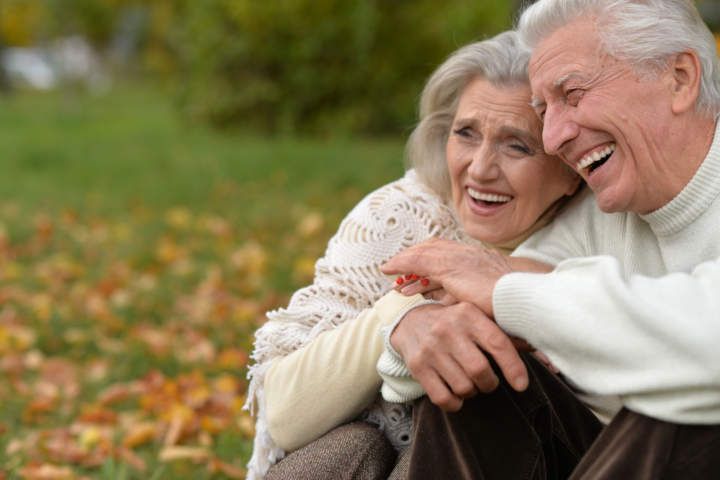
(408, 260)
(455, 377)
(498, 345)
(439, 393)
(478, 369)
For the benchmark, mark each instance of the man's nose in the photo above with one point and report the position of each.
(558, 129)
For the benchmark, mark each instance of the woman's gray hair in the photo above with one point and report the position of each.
(645, 33)
(502, 60)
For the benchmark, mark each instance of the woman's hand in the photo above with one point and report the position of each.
(411, 284)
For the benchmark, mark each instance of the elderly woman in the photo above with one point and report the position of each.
(478, 174)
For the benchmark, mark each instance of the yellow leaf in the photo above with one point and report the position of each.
(249, 258)
(89, 437)
(246, 425)
(197, 454)
(178, 217)
(310, 224)
(304, 269)
(140, 434)
(226, 383)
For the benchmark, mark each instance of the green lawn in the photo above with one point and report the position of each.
(138, 252)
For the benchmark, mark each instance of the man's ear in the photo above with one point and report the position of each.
(685, 75)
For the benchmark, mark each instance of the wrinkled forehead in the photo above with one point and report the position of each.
(570, 51)
(497, 104)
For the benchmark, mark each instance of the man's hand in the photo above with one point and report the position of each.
(466, 272)
(445, 349)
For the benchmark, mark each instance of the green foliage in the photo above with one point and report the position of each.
(137, 256)
(321, 66)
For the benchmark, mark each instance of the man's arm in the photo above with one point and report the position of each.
(651, 340)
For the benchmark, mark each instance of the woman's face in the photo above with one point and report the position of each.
(502, 180)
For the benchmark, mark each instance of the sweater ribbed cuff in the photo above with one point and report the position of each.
(514, 302)
(398, 385)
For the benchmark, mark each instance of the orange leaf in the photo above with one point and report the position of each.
(132, 459)
(47, 471)
(139, 434)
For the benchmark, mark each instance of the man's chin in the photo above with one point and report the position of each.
(609, 203)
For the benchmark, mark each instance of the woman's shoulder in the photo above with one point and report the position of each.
(393, 217)
(407, 195)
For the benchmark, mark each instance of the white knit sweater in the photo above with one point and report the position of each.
(639, 315)
(347, 282)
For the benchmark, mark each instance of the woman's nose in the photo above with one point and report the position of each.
(484, 165)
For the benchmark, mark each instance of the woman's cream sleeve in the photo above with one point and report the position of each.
(332, 379)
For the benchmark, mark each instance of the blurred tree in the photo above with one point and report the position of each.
(322, 65)
(22, 22)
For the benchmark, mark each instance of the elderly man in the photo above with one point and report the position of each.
(629, 93)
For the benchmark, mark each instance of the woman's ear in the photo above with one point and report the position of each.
(685, 75)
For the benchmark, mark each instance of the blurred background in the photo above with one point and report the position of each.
(170, 170)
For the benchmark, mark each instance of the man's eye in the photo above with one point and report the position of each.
(573, 96)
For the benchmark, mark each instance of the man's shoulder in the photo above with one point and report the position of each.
(583, 210)
(580, 229)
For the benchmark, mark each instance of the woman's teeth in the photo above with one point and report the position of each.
(597, 156)
(488, 197)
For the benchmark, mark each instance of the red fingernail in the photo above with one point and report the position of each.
(399, 280)
(409, 276)
(413, 277)
(425, 282)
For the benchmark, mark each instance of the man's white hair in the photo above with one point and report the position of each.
(645, 33)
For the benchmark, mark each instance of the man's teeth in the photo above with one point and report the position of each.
(488, 197)
(591, 158)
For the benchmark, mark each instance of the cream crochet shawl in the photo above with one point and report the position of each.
(347, 281)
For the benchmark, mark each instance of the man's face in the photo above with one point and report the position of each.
(602, 118)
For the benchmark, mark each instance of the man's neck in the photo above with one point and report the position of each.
(688, 147)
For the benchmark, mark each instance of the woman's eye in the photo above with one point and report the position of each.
(519, 147)
(465, 132)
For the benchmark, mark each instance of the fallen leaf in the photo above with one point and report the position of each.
(197, 454)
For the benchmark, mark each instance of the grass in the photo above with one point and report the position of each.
(138, 253)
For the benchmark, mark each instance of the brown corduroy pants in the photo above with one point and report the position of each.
(542, 433)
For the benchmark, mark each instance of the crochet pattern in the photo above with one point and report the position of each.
(347, 281)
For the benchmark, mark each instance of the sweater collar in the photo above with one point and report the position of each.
(692, 200)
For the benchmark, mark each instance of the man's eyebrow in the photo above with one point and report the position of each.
(538, 104)
(569, 76)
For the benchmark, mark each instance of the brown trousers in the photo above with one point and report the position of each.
(542, 433)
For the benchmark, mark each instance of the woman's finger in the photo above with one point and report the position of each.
(419, 285)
